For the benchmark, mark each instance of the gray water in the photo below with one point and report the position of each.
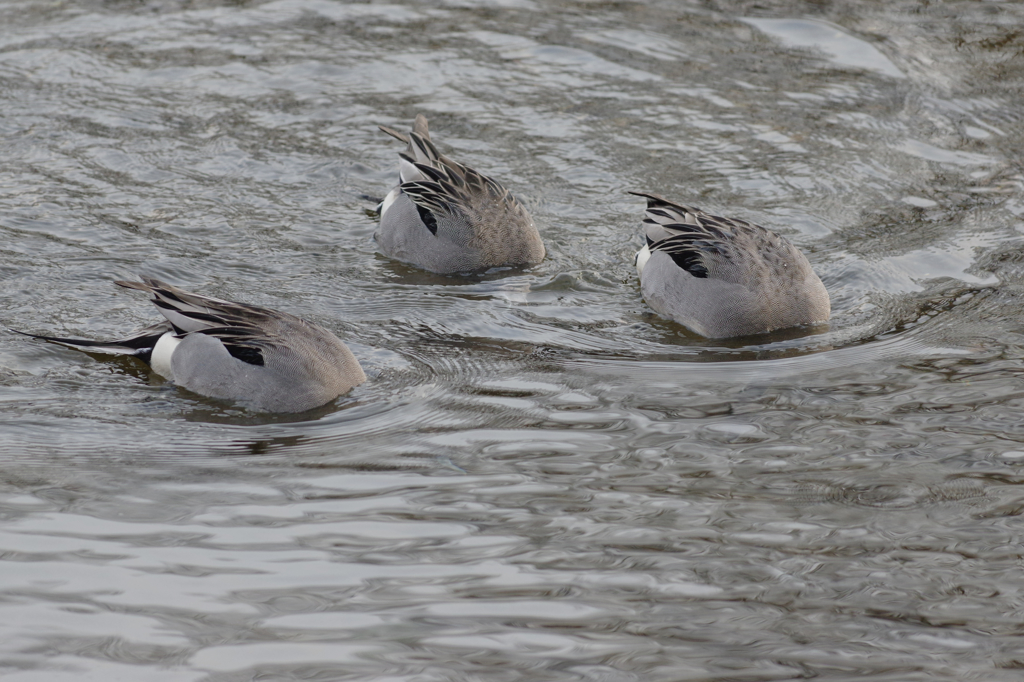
(541, 480)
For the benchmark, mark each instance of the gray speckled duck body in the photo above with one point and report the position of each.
(722, 277)
(448, 218)
(266, 360)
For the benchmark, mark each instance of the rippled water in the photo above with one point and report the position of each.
(542, 480)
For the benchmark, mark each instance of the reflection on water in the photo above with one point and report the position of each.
(841, 47)
(541, 474)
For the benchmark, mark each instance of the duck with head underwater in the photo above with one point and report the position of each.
(448, 218)
(263, 359)
(724, 277)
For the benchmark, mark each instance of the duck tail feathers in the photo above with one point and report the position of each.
(401, 137)
(419, 127)
(140, 346)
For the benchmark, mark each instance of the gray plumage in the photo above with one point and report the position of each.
(448, 218)
(266, 360)
(723, 277)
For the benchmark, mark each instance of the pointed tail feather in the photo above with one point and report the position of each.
(146, 285)
(419, 149)
(419, 126)
(395, 134)
(140, 346)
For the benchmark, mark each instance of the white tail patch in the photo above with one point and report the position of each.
(642, 256)
(388, 200)
(160, 360)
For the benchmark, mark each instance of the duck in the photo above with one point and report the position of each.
(724, 277)
(448, 218)
(265, 360)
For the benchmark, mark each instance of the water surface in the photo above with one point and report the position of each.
(542, 480)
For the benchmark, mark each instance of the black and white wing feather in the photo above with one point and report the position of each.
(242, 328)
(701, 243)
